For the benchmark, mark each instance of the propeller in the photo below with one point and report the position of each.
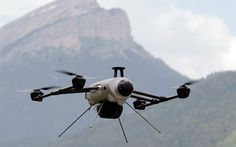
(187, 84)
(43, 88)
(73, 74)
(69, 73)
(48, 88)
(183, 91)
(190, 83)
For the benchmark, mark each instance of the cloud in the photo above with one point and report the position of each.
(4, 20)
(193, 43)
(190, 43)
(229, 57)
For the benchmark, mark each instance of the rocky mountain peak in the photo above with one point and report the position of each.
(45, 15)
(62, 8)
(69, 27)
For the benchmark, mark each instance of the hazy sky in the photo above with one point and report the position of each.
(195, 37)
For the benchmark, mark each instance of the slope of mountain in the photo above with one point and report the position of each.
(76, 35)
(229, 141)
(52, 32)
(43, 16)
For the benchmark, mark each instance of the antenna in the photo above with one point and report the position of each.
(143, 118)
(99, 110)
(75, 120)
(116, 69)
(123, 131)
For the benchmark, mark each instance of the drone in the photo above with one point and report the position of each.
(110, 95)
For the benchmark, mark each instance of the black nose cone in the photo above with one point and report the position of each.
(125, 88)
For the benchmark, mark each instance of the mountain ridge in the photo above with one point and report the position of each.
(31, 22)
(95, 24)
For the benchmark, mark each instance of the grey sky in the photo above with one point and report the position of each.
(195, 37)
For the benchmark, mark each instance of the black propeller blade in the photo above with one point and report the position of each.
(187, 83)
(43, 88)
(48, 88)
(74, 74)
(191, 83)
(69, 73)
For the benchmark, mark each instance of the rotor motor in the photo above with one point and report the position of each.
(139, 104)
(183, 92)
(36, 95)
(78, 82)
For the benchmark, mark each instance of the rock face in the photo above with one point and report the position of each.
(66, 34)
(62, 24)
(43, 16)
(75, 35)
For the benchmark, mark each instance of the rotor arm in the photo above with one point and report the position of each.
(144, 100)
(67, 90)
(147, 95)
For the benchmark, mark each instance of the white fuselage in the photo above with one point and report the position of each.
(107, 91)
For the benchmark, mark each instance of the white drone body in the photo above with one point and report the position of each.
(108, 91)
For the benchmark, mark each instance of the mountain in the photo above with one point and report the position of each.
(75, 35)
(63, 26)
(205, 119)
